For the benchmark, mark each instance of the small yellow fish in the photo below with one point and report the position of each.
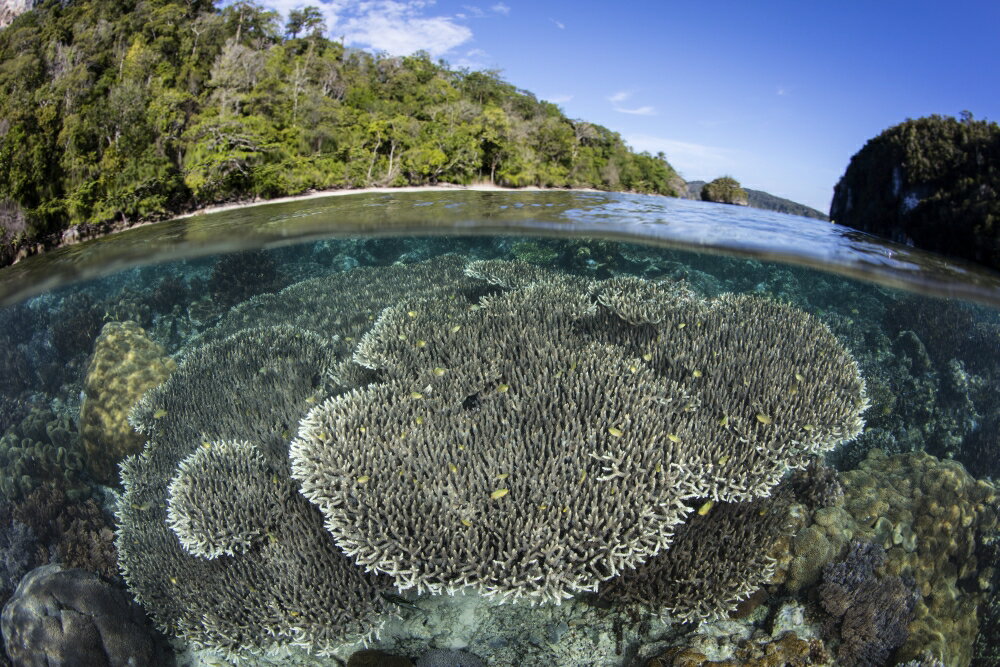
(401, 336)
(616, 432)
(466, 523)
(724, 460)
(681, 325)
(724, 421)
(206, 445)
(807, 427)
(421, 343)
(633, 368)
(420, 420)
(311, 400)
(673, 438)
(583, 476)
(543, 507)
(362, 429)
(658, 468)
(565, 509)
(503, 475)
(800, 377)
(499, 493)
(411, 313)
(456, 328)
(697, 374)
(503, 388)
(452, 467)
(764, 419)
(647, 357)
(363, 479)
(416, 394)
(438, 371)
(160, 414)
(706, 508)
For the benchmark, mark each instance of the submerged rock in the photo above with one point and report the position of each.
(72, 617)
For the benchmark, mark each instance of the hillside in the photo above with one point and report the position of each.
(115, 112)
(932, 182)
(764, 200)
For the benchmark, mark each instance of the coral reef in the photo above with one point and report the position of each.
(872, 610)
(293, 587)
(449, 658)
(77, 533)
(717, 558)
(42, 449)
(545, 438)
(72, 617)
(240, 275)
(18, 552)
(343, 306)
(125, 364)
(817, 485)
(929, 515)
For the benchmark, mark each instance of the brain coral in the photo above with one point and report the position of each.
(545, 439)
(214, 539)
(125, 364)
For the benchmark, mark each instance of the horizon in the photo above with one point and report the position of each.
(783, 114)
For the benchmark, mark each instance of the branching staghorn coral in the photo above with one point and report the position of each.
(545, 439)
(269, 576)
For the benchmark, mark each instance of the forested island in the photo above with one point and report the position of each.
(931, 182)
(115, 112)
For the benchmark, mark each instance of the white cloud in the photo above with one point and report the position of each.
(694, 161)
(558, 99)
(472, 59)
(638, 111)
(500, 8)
(620, 96)
(398, 27)
(559, 24)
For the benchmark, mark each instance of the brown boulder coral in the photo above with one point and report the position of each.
(125, 364)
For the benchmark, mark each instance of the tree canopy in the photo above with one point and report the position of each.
(131, 110)
(932, 182)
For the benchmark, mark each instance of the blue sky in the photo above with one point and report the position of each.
(779, 95)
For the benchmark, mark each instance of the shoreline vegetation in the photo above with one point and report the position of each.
(90, 231)
(118, 113)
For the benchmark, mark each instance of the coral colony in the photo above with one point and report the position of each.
(485, 425)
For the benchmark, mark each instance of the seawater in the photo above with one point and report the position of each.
(157, 387)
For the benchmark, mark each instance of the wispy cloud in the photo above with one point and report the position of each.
(558, 99)
(638, 111)
(500, 8)
(617, 98)
(558, 24)
(782, 91)
(398, 27)
(692, 159)
(472, 59)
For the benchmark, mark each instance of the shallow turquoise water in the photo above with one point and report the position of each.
(516, 397)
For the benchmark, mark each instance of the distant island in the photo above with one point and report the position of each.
(764, 200)
(113, 113)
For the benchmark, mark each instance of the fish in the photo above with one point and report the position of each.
(499, 493)
(616, 432)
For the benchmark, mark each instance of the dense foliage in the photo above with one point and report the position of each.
(933, 182)
(124, 110)
(725, 190)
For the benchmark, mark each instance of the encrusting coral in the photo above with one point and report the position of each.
(125, 364)
(546, 438)
(286, 582)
